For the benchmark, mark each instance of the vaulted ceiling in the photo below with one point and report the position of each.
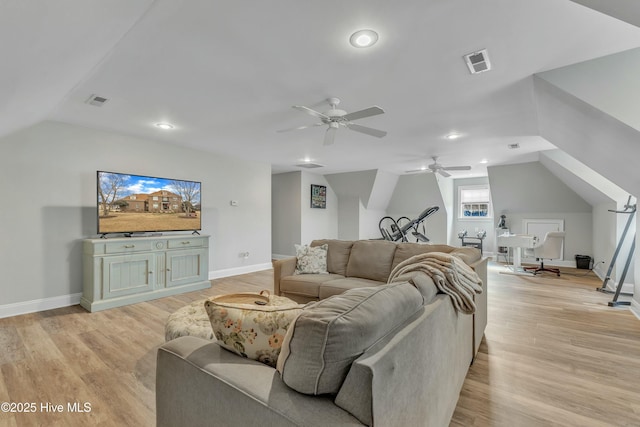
(226, 74)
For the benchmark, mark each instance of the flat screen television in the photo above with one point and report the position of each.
(131, 204)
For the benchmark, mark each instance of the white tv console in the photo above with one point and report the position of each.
(121, 271)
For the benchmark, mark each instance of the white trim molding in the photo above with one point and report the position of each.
(218, 274)
(26, 307)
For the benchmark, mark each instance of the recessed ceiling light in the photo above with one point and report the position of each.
(453, 135)
(363, 38)
(484, 161)
(165, 126)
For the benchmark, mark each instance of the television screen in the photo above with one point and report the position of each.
(137, 204)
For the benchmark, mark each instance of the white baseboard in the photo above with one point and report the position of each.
(550, 263)
(26, 307)
(33, 306)
(635, 308)
(627, 288)
(217, 274)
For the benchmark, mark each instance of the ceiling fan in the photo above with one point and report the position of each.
(436, 167)
(335, 118)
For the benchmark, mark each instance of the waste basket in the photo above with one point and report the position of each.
(583, 262)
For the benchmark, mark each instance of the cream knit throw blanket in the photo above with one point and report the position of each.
(450, 274)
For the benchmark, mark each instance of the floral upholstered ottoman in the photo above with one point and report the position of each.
(193, 319)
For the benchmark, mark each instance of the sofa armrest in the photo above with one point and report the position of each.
(282, 268)
(414, 376)
(198, 383)
(480, 316)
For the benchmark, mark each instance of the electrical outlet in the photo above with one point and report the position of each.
(244, 255)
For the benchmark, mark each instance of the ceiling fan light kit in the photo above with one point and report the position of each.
(334, 118)
(436, 167)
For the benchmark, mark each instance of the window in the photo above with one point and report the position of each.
(475, 201)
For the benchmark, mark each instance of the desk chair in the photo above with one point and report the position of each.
(550, 248)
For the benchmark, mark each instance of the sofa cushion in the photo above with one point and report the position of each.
(252, 331)
(330, 334)
(338, 286)
(311, 260)
(306, 284)
(467, 254)
(337, 254)
(371, 259)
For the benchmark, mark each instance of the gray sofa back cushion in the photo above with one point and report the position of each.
(371, 259)
(405, 251)
(337, 254)
(330, 334)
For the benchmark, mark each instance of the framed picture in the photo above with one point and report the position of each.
(318, 196)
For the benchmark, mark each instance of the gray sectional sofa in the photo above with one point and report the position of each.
(354, 264)
(410, 371)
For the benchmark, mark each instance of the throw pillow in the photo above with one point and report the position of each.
(311, 259)
(330, 334)
(253, 331)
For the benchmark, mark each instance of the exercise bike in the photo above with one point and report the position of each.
(398, 230)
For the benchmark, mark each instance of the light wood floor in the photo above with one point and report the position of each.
(553, 354)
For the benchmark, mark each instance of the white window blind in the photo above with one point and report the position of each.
(474, 195)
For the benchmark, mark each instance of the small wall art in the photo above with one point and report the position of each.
(318, 196)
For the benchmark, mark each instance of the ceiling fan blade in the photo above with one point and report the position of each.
(443, 173)
(419, 171)
(457, 168)
(311, 112)
(330, 135)
(367, 112)
(363, 129)
(300, 127)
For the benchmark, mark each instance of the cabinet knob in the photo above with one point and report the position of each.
(129, 246)
(186, 243)
(168, 269)
(150, 272)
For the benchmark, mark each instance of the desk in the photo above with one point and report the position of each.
(517, 241)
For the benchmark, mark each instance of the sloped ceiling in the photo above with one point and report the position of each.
(227, 73)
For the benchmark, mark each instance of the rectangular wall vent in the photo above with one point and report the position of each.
(514, 146)
(478, 62)
(96, 100)
(309, 165)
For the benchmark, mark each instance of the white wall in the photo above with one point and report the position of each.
(448, 207)
(349, 217)
(604, 237)
(412, 195)
(48, 182)
(603, 143)
(317, 223)
(286, 205)
(472, 225)
(294, 221)
(530, 191)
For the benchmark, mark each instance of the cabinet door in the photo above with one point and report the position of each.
(186, 266)
(127, 274)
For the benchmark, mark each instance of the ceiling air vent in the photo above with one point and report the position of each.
(478, 62)
(514, 146)
(309, 165)
(96, 100)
